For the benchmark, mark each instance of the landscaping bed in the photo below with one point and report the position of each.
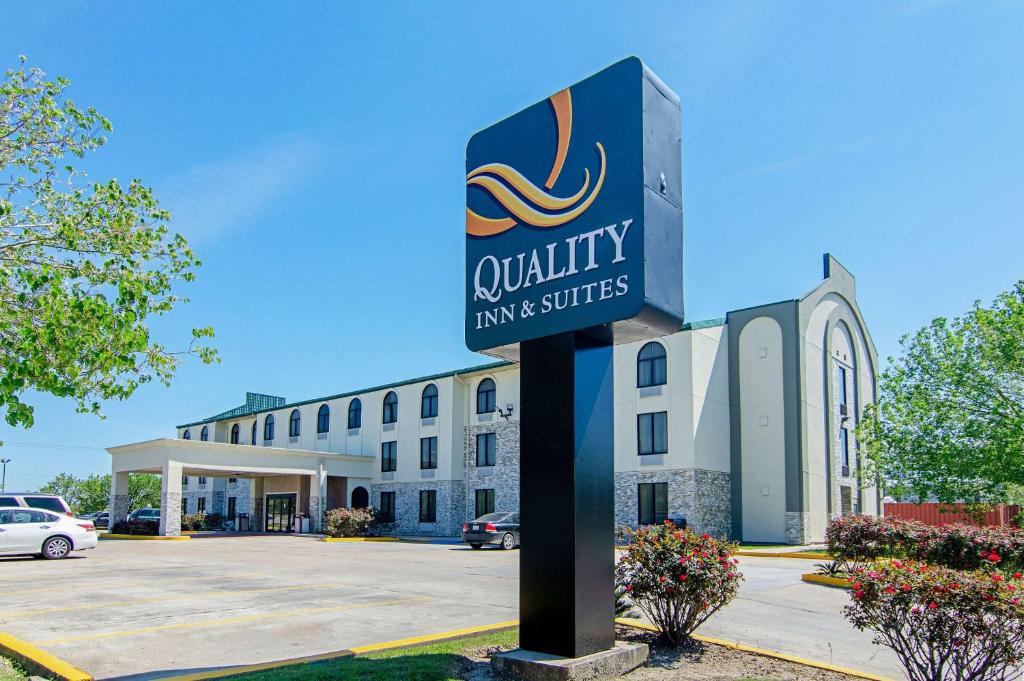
(11, 671)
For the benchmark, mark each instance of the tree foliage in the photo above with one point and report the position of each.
(92, 494)
(949, 421)
(83, 265)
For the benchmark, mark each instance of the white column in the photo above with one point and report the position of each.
(317, 498)
(118, 498)
(170, 499)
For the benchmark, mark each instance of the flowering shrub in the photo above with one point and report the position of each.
(193, 521)
(942, 623)
(347, 522)
(677, 577)
(859, 540)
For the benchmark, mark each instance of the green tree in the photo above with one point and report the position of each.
(949, 421)
(83, 266)
(92, 494)
(143, 490)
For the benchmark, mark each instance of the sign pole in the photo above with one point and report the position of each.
(566, 600)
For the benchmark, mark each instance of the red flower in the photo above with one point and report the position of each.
(994, 557)
(906, 587)
(705, 536)
(629, 587)
(933, 605)
(890, 589)
(682, 578)
(1017, 575)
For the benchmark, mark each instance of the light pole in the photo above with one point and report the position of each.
(3, 480)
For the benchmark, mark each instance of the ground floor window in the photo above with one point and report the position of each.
(428, 506)
(387, 507)
(653, 497)
(232, 506)
(428, 453)
(201, 505)
(484, 502)
(486, 443)
(184, 506)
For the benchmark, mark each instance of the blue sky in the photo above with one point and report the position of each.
(313, 155)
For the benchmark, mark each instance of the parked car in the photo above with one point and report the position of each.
(100, 519)
(49, 502)
(142, 514)
(38, 531)
(500, 529)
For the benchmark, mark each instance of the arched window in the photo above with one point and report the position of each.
(187, 435)
(204, 434)
(355, 414)
(428, 409)
(390, 407)
(486, 397)
(650, 365)
(268, 427)
(294, 422)
(360, 498)
(234, 434)
(323, 419)
(253, 432)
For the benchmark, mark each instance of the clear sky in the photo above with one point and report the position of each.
(313, 154)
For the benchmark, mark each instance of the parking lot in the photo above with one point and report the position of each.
(139, 609)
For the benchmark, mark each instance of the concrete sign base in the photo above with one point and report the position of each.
(530, 666)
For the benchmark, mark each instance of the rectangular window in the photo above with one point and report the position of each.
(653, 498)
(842, 386)
(389, 456)
(202, 479)
(486, 444)
(201, 505)
(387, 507)
(232, 506)
(428, 452)
(844, 449)
(184, 480)
(652, 433)
(184, 506)
(484, 502)
(232, 480)
(428, 506)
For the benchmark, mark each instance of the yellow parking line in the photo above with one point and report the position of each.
(241, 619)
(100, 605)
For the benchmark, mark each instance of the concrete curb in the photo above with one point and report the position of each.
(348, 652)
(786, 657)
(37, 661)
(148, 537)
(837, 582)
(337, 540)
(806, 555)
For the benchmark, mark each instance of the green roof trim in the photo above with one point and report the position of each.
(247, 411)
(703, 324)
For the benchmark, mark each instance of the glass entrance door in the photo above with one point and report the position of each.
(280, 513)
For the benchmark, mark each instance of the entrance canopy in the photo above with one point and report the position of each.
(174, 458)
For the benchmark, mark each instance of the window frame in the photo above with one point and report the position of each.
(200, 504)
(355, 408)
(488, 395)
(488, 502)
(386, 512)
(429, 461)
(654, 488)
(389, 456)
(254, 425)
(295, 423)
(651, 366)
(430, 495)
(843, 402)
(232, 507)
(490, 452)
(429, 402)
(323, 419)
(640, 428)
(187, 435)
(236, 434)
(268, 427)
(389, 408)
(844, 450)
(204, 434)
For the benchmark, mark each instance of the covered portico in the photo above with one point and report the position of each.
(318, 480)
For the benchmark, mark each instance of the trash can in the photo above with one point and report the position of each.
(242, 522)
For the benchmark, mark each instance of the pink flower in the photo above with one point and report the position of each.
(933, 605)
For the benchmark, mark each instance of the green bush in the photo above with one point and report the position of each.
(347, 522)
(942, 623)
(192, 522)
(677, 577)
(143, 527)
(213, 521)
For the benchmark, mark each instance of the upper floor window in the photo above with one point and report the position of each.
(294, 422)
(202, 479)
(187, 435)
(390, 414)
(388, 457)
(204, 434)
(184, 480)
(652, 433)
(842, 386)
(486, 397)
(355, 414)
(428, 409)
(323, 419)
(234, 434)
(650, 366)
(486, 449)
(428, 453)
(254, 432)
(268, 427)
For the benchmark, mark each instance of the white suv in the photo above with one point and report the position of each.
(48, 502)
(39, 531)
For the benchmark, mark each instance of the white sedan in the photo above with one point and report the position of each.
(40, 532)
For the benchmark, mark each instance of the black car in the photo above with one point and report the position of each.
(499, 529)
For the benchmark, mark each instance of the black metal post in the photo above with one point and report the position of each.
(566, 589)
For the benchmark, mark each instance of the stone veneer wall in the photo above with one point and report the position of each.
(703, 497)
(450, 495)
(503, 477)
(796, 527)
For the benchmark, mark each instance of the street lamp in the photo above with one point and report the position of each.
(3, 480)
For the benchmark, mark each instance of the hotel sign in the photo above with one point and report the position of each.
(574, 216)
